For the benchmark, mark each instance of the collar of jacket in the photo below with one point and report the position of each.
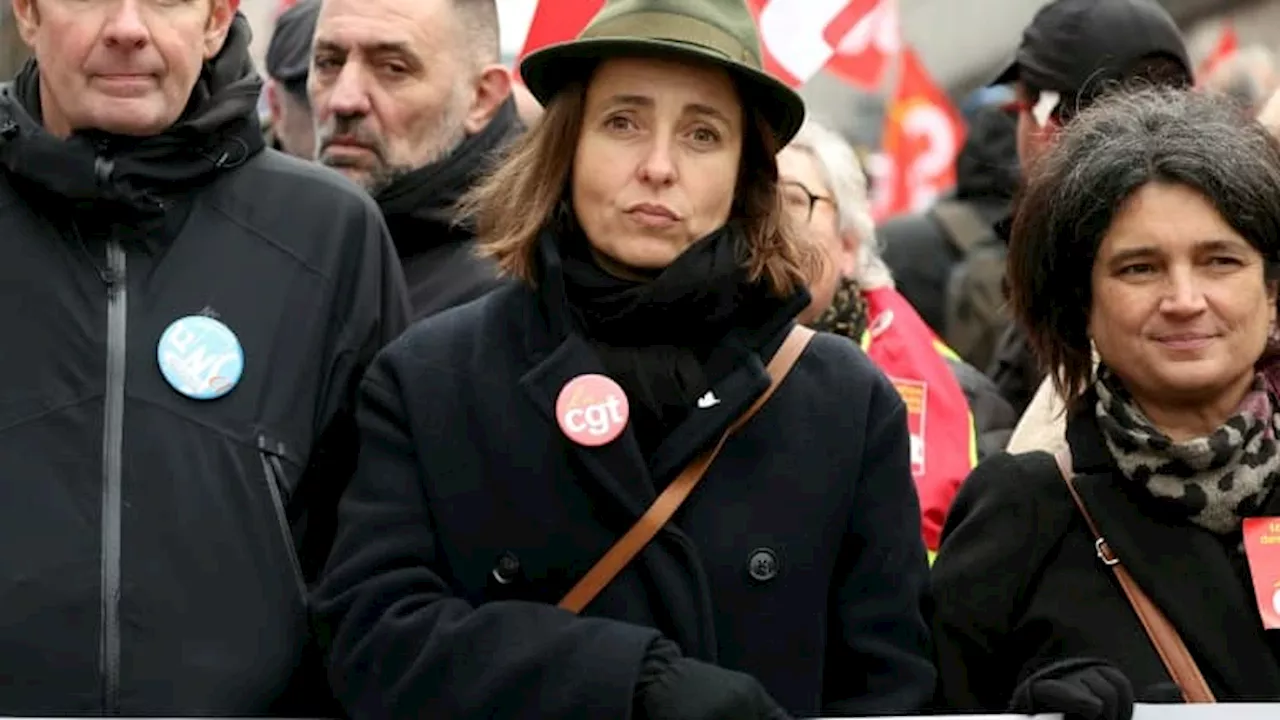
(218, 131)
(419, 207)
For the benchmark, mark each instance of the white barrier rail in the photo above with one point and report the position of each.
(1225, 711)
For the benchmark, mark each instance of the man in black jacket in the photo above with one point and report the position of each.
(412, 103)
(186, 318)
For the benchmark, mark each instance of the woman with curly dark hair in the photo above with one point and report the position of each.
(1135, 564)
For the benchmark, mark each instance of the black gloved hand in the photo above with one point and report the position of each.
(1079, 689)
(672, 687)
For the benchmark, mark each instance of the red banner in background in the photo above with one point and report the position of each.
(923, 135)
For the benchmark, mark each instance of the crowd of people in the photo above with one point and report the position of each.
(599, 393)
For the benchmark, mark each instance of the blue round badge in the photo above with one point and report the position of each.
(200, 357)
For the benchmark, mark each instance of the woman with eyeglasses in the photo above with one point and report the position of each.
(955, 413)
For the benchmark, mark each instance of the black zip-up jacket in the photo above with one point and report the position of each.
(154, 547)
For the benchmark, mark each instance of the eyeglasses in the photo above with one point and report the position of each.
(800, 200)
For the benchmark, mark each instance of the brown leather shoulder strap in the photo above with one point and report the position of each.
(664, 508)
(1168, 644)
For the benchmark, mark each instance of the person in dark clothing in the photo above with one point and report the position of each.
(923, 249)
(417, 127)
(188, 315)
(1151, 232)
(1073, 53)
(500, 462)
(291, 128)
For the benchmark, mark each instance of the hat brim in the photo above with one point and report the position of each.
(546, 71)
(1010, 74)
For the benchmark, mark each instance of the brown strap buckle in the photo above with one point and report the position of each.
(1107, 557)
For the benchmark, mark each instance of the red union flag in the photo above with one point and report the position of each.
(557, 21)
(856, 40)
(922, 136)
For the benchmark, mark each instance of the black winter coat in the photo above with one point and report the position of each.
(1018, 584)
(471, 515)
(148, 560)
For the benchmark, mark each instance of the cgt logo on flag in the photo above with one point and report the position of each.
(922, 136)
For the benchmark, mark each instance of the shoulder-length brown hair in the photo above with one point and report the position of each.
(522, 195)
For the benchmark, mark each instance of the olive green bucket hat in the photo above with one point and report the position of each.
(719, 32)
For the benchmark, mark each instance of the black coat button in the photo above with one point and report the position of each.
(507, 569)
(763, 565)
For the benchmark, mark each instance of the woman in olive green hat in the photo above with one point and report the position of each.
(644, 361)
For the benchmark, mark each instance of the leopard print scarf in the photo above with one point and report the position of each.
(1214, 480)
(847, 314)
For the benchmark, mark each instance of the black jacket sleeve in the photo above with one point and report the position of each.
(879, 662)
(994, 540)
(402, 644)
(369, 308)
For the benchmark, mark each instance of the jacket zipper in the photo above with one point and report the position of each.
(273, 473)
(112, 449)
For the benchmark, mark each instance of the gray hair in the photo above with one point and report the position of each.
(843, 173)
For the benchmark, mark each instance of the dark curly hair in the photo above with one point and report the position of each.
(1072, 194)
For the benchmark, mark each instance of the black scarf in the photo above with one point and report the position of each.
(133, 176)
(655, 337)
(420, 207)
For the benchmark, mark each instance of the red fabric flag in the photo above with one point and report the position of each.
(923, 135)
(557, 21)
(866, 38)
(854, 39)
